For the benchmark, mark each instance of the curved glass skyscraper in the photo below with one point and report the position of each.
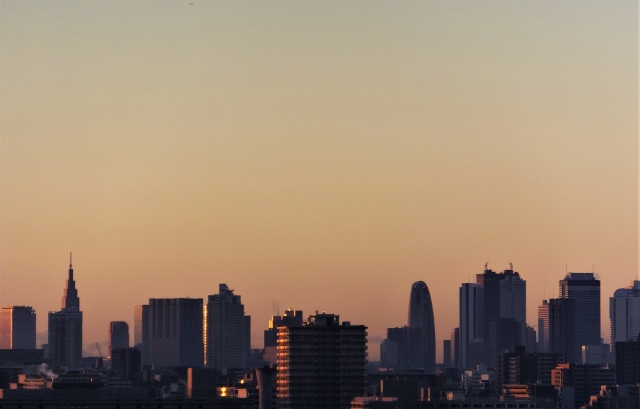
(421, 316)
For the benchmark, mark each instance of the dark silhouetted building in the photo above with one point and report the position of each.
(515, 367)
(545, 363)
(518, 367)
(504, 335)
(504, 296)
(543, 327)
(321, 364)
(455, 348)
(118, 335)
(513, 301)
(202, 383)
(628, 362)
(65, 328)
(472, 307)
(126, 362)
(489, 305)
(290, 318)
(17, 327)
(446, 350)
(141, 331)
(586, 380)
(403, 348)
(562, 321)
(420, 316)
(175, 332)
(584, 288)
(228, 331)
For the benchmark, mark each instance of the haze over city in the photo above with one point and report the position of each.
(317, 156)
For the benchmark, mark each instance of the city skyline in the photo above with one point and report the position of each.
(70, 300)
(286, 148)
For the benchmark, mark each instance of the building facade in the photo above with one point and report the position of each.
(420, 316)
(513, 301)
(446, 351)
(228, 331)
(65, 328)
(141, 331)
(408, 345)
(562, 329)
(628, 362)
(584, 288)
(321, 365)
(118, 335)
(455, 348)
(175, 332)
(17, 327)
(543, 327)
(504, 296)
(290, 318)
(126, 363)
(624, 313)
(472, 307)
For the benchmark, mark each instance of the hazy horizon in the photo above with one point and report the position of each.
(322, 155)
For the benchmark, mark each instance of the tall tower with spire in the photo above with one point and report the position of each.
(70, 300)
(65, 328)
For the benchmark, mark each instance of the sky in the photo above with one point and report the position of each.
(314, 155)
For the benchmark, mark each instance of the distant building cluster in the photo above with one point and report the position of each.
(192, 351)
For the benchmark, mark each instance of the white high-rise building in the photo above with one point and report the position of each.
(624, 312)
(471, 319)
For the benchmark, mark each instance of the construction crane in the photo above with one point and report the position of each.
(99, 352)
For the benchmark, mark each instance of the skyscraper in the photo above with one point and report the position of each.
(421, 317)
(228, 332)
(455, 348)
(65, 328)
(504, 297)
(321, 365)
(543, 327)
(175, 332)
(17, 328)
(141, 331)
(471, 321)
(513, 300)
(624, 312)
(584, 288)
(446, 350)
(562, 329)
(118, 335)
(489, 280)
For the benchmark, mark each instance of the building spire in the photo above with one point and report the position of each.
(70, 300)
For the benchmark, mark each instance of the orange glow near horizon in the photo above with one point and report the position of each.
(322, 155)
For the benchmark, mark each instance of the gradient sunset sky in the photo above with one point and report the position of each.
(321, 154)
